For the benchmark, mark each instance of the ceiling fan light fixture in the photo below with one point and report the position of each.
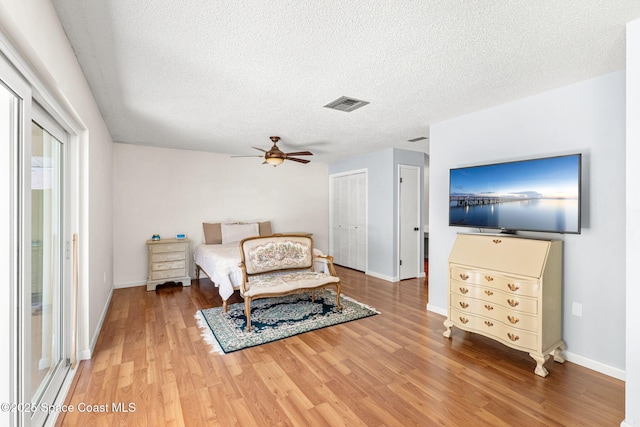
(274, 161)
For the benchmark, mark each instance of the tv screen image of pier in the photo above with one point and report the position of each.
(533, 195)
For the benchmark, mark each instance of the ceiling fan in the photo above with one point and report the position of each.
(275, 156)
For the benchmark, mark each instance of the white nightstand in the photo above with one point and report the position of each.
(168, 262)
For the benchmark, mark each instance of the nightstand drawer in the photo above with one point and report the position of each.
(167, 274)
(168, 256)
(170, 265)
(167, 247)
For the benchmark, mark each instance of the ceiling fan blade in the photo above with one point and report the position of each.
(297, 160)
(249, 156)
(300, 153)
(259, 149)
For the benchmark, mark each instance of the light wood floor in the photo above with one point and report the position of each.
(394, 369)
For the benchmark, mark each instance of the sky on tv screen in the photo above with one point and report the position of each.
(554, 177)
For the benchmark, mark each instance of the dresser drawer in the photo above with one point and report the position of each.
(167, 247)
(497, 312)
(496, 281)
(510, 301)
(168, 256)
(169, 265)
(510, 336)
(167, 274)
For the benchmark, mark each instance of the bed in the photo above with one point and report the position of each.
(219, 254)
(220, 263)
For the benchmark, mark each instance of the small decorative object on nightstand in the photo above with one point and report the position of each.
(155, 237)
(168, 262)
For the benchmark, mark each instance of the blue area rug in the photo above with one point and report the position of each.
(276, 318)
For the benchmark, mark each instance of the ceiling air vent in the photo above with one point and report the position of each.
(420, 138)
(344, 103)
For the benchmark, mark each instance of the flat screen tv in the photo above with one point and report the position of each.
(530, 195)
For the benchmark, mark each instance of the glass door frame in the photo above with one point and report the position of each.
(42, 119)
(15, 306)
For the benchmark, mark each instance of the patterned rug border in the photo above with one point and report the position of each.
(208, 335)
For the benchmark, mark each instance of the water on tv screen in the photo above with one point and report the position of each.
(530, 195)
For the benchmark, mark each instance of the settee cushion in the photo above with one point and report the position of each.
(287, 282)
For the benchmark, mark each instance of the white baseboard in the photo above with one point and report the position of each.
(436, 309)
(85, 354)
(382, 276)
(595, 366)
(571, 357)
(130, 284)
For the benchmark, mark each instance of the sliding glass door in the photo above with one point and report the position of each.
(35, 309)
(48, 266)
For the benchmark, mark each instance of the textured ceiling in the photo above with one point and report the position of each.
(223, 76)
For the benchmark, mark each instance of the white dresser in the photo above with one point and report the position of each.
(509, 289)
(168, 262)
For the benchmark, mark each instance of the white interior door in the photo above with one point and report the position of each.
(409, 206)
(348, 213)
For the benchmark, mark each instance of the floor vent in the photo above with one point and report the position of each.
(344, 103)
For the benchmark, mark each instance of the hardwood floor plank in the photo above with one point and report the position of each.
(392, 369)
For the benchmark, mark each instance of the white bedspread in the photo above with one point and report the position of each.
(220, 263)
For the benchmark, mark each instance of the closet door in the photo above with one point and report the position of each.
(348, 220)
(357, 221)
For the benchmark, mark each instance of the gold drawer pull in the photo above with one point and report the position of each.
(497, 241)
(513, 303)
(463, 304)
(488, 278)
(513, 287)
(464, 319)
(489, 293)
(489, 324)
(488, 307)
(464, 290)
(513, 337)
(513, 320)
(464, 276)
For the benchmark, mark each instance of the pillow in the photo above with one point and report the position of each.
(212, 233)
(265, 228)
(232, 233)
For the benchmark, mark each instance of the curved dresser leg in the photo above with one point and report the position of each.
(540, 359)
(447, 324)
(557, 354)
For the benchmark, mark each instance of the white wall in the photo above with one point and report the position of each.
(166, 191)
(36, 34)
(632, 392)
(588, 117)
